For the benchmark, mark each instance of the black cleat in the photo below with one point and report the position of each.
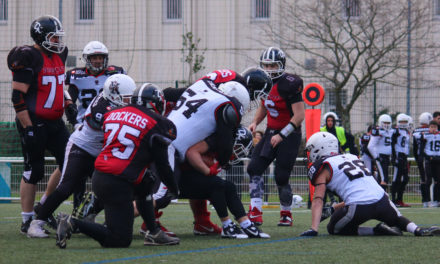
(25, 226)
(160, 238)
(383, 229)
(64, 229)
(427, 231)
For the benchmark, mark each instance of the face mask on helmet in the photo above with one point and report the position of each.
(273, 61)
(118, 89)
(92, 50)
(258, 82)
(385, 121)
(237, 90)
(150, 96)
(242, 145)
(403, 121)
(321, 144)
(48, 33)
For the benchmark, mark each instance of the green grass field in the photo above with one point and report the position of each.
(284, 246)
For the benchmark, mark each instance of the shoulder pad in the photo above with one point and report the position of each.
(98, 108)
(75, 73)
(231, 116)
(315, 169)
(25, 57)
(167, 127)
(290, 83)
(112, 69)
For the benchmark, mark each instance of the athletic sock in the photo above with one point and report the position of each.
(26, 215)
(226, 222)
(411, 227)
(246, 223)
(257, 202)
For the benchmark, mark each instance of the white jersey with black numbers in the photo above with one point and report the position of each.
(352, 181)
(89, 136)
(380, 142)
(403, 141)
(432, 147)
(194, 114)
(88, 85)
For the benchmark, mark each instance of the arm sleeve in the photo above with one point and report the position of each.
(224, 139)
(372, 146)
(173, 94)
(73, 91)
(164, 162)
(415, 148)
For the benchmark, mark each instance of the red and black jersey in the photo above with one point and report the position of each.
(286, 91)
(222, 76)
(128, 137)
(45, 75)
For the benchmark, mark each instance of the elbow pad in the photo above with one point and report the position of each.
(230, 116)
(18, 100)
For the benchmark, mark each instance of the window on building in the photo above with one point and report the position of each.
(352, 8)
(172, 10)
(3, 10)
(261, 9)
(85, 10)
(331, 95)
(437, 8)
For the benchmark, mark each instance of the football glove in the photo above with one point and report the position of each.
(327, 212)
(310, 232)
(71, 112)
(30, 139)
(214, 169)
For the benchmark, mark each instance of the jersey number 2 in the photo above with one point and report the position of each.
(354, 169)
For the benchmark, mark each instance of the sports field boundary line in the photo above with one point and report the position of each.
(197, 250)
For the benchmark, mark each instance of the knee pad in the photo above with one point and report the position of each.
(256, 187)
(285, 193)
(34, 175)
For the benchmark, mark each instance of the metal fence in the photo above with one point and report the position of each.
(238, 175)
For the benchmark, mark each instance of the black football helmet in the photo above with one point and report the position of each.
(271, 56)
(150, 96)
(258, 82)
(242, 145)
(43, 29)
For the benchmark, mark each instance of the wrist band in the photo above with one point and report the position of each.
(287, 130)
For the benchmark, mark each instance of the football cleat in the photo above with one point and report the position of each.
(256, 216)
(233, 231)
(160, 239)
(25, 226)
(286, 218)
(383, 229)
(427, 231)
(64, 229)
(36, 229)
(144, 230)
(206, 228)
(253, 231)
(326, 212)
(86, 207)
(400, 203)
(51, 222)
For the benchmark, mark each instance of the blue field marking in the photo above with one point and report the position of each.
(197, 250)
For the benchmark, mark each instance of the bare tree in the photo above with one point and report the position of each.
(192, 55)
(352, 42)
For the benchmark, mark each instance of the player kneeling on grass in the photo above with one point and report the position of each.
(363, 198)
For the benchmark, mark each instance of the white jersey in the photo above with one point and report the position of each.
(351, 180)
(89, 136)
(432, 146)
(417, 134)
(88, 86)
(403, 141)
(194, 114)
(380, 142)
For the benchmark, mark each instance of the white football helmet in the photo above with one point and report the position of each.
(322, 144)
(118, 89)
(425, 118)
(385, 121)
(403, 120)
(95, 48)
(296, 201)
(237, 90)
(324, 118)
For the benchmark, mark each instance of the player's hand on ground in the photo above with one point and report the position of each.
(310, 232)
